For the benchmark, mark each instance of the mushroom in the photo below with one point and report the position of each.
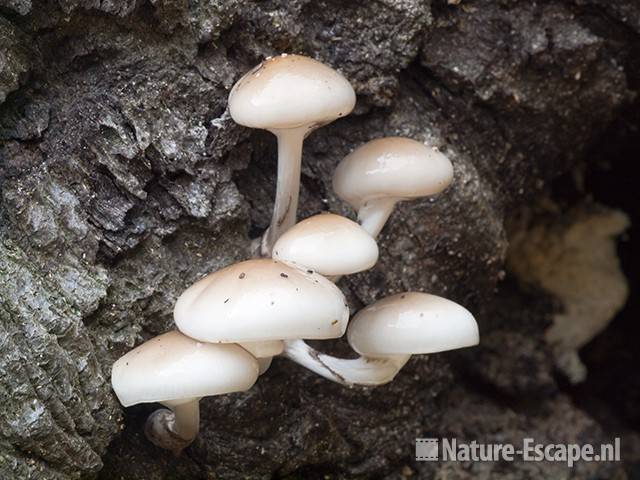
(382, 172)
(289, 95)
(261, 301)
(177, 371)
(329, 244)
(387, 333)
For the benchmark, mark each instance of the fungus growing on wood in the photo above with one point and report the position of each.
(234, 321)
(258, 303)
(328, 244)
(289, 95)
(387, 333)
(382, 172)
(177, 371)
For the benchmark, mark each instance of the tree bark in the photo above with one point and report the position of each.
(124, 179)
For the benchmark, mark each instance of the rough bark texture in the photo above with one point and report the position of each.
(123, 179)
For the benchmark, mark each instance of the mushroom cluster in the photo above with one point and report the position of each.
(231, 323)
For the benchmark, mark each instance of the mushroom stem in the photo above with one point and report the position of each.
(288, 185)
(263, 352)
(375, 213)
(263, 364)
(174, 429)
(365, 371)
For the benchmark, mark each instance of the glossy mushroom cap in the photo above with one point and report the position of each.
(290, 91)
(260, 300)
(391, 167)
(411, 323)
(329, 244)
(173, 368)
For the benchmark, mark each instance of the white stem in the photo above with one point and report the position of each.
(187, 420)
(359, 371)
(375, 213)
(174, 429)
(264, 352)
(288, 185)
(266, 348)
(264, 363)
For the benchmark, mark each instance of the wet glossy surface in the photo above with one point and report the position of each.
(260, 300)
(329, 244)
(411, 323)
(391, 167)
(290, 91)
(173, 366)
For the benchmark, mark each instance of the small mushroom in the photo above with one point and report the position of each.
(387, 333)
(177, 371)
(289, 95)
(328, 244)
(261, 301)
(382, 172)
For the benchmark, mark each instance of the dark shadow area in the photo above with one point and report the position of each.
(611, 393)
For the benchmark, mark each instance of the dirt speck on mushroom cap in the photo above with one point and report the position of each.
(259, 308)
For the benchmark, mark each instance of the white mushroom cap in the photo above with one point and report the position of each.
(391, 167)
(412, 323)
(173, 368)
(329, 244)
(290, 91)
(259, 300)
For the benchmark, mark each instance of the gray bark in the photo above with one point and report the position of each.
(123, 180)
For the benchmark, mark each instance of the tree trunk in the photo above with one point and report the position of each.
(124, 179)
